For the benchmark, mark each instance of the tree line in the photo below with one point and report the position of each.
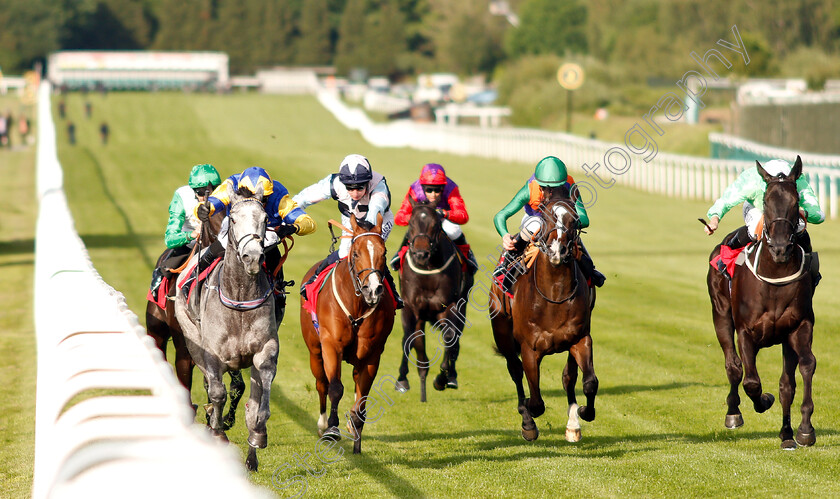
(636, 38)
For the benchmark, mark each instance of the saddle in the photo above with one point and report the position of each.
(191, 287)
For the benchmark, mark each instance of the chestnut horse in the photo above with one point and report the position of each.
(769, 303)
(355, 315)
(430, 281)
(550, 312)
(162, 325)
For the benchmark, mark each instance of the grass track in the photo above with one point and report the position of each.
(659, 430)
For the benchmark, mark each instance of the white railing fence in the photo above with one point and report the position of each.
(668, 174)
(111, 420)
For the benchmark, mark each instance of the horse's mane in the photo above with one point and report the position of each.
(244, 193)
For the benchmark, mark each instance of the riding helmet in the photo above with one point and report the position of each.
(255, 176)
(433, 174)
(204, 175)
(550, 172)
(355, 169)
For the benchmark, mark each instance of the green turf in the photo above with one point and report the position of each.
(659, 429)
(17, 336)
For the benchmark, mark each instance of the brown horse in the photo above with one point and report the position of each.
(162, 325)
(549, 313)
(355, 321)
(430, 281)
(769, 304)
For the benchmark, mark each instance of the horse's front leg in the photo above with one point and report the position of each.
(752, 382)
(801, 343)
(725, 332)
(217, 395)
(787, 389)
(258, 410)
(335, 389)
(570, 374)
(365, 374)
(582, 352)
(534, 406)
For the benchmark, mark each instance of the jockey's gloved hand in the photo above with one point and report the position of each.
(286, 230)
(203, 212)
(441, 212)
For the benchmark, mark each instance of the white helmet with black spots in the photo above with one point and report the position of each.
(355, 169)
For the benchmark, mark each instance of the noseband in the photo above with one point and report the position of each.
(356, 277)
(247, 238)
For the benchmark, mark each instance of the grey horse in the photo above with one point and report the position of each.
(236, 327)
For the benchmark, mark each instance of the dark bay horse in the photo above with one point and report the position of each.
(769, 304)
(549, 313)
(430, 282)
(237, 327)
(355, 320)
(162, 325)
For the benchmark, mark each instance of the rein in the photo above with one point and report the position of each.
(753, 266)
(418, 270)
(241, 305)
(544, 297)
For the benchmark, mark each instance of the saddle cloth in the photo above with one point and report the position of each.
(163, 290)
(729, 258)
(314, 288)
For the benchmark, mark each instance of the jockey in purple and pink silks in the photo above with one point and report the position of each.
(436, 188)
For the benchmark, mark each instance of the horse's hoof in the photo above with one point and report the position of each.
(440, 382)
(586, 413)
(530, 434)
(258, 440)
(767, 400)
(452, 383)
(806, 439)
(331, 433)
(251, 462)
(788, 445)
(194, 408)
(733, 421)
(402, 386)
(572, 435)
(219, 435)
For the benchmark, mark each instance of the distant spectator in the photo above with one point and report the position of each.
(4, 131)
(23, 128)
(61, 109)
(88, 109)
(71, 133)
(10, 123)
(104, 131)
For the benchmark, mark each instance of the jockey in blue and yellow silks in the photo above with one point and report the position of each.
(284, 217)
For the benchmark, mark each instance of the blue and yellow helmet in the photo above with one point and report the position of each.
(254, 177)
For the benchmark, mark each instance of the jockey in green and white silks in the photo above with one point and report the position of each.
(359, 191)
(549, 174)
(749, 189)
(182, 229)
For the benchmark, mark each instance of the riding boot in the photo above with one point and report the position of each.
(395, 261)
(280, 294)
(464, 247)
(804, 240)
(588, 268)
(206, 259)
(508, 257)
(739, 238)
(326, 262)
(157, 278)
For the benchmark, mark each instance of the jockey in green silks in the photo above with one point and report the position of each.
(182, 227)
(550, 174)
(749, 189)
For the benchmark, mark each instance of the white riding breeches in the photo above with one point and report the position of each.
(452, 230)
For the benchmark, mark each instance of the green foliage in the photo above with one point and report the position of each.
(314, 43)
(548, 27)
(813, 64)
(466, 38)
(28, 31)
(762, 62)
(351, 37)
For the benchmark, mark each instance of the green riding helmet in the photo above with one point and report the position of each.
(550, 172)
(204, 175)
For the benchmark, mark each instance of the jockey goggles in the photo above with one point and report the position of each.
(355, 187)
(433, 188)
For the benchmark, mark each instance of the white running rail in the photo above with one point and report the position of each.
(140, 444)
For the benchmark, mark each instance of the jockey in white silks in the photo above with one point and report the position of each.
(361, 192)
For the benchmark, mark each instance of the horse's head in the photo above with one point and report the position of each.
(561, 231)
(246, 232)
(781, 211)
(424, 229)
(367, 259)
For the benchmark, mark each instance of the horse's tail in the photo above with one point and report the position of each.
(500, 354)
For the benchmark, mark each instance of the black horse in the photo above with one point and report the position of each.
(769, 303)
(431, 281)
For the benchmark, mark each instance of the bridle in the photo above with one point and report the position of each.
(434, 241)
(241, 242)
(356, 276)
(766, 230)
(572, 233)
